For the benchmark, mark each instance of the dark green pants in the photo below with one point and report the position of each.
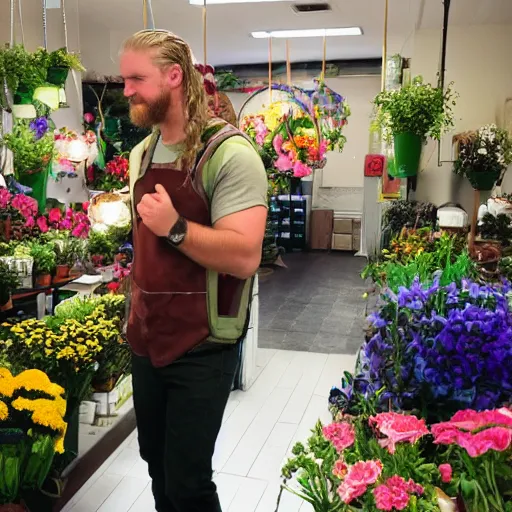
(179, 412)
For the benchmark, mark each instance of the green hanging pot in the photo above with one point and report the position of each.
(57, 76)
(482, 180)
(24, 95)
(407, 155)
(37, 181)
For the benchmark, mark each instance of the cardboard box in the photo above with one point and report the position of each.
(341, 242)
(343, 226)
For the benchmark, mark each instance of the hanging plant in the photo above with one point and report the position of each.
(410, 115)
(483, 156)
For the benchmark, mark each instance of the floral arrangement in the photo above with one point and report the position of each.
(436, 349)
(32, 429)
(488, 150)
(72, 148)
(115, 176)
(32, 144)
(419, 109)
(25, 221)
(392, 461)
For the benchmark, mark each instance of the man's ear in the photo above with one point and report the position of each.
(174, 75)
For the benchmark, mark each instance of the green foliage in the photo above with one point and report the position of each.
(44, 258)
(20, 67)
(410, 214)
(30, 155)
(61, 58)
(497, 227)
(9, 281)
(418, 108)
(227, 80)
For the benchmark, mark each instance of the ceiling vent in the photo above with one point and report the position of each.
(306, 8)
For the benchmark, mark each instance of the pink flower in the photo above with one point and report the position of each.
(283, 163)
(30, 222)
(27, 206)
(301, 170)
(322, 149)
(5, 198)
(278, 144)
(358, 478)
(54, 215)
(340, 469)
(89, 118)
(398, 428)
(85, 206)
(66, 225)
(341, 435)
(395, 493)
(261, 131)
(468, 430)
(446, 473)
(42, 224)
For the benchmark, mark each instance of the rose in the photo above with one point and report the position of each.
(89, 118)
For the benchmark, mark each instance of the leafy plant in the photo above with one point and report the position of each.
(497, 227)
(32, 144)
(487, 150)
(61, 58)
(9, 281)
(418, 108)
(44, 258)
(409, 214)
(66, 251)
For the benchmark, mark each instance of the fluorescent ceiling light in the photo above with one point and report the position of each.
(217, 2)
(312, 32)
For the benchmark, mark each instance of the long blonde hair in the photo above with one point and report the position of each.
(171, 49)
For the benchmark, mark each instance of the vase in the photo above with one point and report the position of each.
(483, 181)
(57, 76)
(44, 280)
(62, 272)
(37, 182)
(407, 155)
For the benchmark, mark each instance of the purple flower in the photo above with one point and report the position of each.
(39, 126)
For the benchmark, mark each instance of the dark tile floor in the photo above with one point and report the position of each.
(316, 304)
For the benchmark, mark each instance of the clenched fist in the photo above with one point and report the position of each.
(157, 211)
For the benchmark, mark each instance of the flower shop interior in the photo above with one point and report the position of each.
(376, 371)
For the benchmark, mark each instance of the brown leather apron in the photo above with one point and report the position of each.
(168, 315)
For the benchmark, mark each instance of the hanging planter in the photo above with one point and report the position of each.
(407, 155)
(24, 95)
(37, 181)
(57, 75)
(483, 181)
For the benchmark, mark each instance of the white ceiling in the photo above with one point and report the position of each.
(107, 23)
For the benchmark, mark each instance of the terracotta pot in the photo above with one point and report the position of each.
(44, 280)
(62, 271)
(6, 307)
(12, 507)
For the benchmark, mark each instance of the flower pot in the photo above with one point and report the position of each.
(482, 180)
(37, 182)
(62, 271)
(6, 306)
(24, 95)
(44, 280)
(57, 76)
(407, 155)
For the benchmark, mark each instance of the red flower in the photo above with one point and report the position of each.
(446, 473)
(113, 286)
(54, 215)
(42, 224)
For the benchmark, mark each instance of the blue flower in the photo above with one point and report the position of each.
(39, 126)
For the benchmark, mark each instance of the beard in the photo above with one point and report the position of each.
(145, 114)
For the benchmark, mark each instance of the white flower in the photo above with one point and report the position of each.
(482, 151)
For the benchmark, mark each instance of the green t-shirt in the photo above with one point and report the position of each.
(240, 180)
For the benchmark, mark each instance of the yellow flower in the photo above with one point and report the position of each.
(44, 412)
(59, 442)
(7, 384)
(4, 411)
(36, 380)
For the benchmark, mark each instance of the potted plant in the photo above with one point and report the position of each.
(408, 116)
(483, 156)
(65, 253)
(32, 144)
(59, 63)
(8, 282)
(22, 73)
(44, 263)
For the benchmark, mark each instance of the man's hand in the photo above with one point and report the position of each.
(157, 211)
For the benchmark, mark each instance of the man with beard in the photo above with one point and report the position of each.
(199, 200)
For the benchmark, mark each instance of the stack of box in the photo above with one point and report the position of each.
(346, 234)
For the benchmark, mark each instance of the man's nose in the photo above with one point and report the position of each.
(128, 91)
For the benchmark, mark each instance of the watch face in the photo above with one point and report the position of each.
(176, 238)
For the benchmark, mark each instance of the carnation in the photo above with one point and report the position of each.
(358, 478)
(341, 435)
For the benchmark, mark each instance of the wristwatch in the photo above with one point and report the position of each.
(178, 232)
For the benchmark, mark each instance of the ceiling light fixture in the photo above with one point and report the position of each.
(218, 2)
(312, 32)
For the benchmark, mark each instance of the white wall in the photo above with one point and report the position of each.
(479, 61)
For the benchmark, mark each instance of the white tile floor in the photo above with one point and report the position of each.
(260, 427)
